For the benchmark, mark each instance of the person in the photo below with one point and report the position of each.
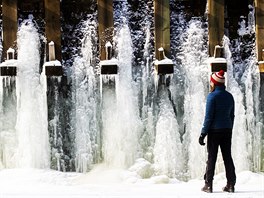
(217, 126)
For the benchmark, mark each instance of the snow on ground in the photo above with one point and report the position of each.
(106, 183)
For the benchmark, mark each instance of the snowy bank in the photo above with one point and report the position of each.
(103, 182)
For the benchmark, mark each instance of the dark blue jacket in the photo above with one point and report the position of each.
(219, 110)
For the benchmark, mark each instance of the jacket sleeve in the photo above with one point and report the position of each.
(209, 114)
(232, 113)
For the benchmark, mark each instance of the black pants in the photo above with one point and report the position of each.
(222, 138)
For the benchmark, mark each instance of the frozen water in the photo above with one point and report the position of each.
(24, 132)
(121, 123)
(159, 144)
(84, 116)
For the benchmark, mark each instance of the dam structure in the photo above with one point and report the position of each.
(124, 83)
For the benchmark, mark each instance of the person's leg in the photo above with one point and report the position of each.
(212, 149)
(225, 146)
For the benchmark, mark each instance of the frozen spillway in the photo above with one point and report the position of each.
(168, 156)
(196, 89)
(85, 115)
(32, 125)
(121, 126)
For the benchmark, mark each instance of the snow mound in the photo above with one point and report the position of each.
(143, 168)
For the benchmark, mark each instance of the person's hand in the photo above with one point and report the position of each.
(201, 139)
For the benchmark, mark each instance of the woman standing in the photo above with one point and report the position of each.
(218, 125)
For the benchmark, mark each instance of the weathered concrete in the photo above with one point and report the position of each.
(260, 55)
(261, 95)
(162, 26)
(9, 10)
(106, 23)
(53, 25)
(259, 27)
(215, 23)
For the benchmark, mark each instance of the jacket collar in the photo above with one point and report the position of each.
(220, 87)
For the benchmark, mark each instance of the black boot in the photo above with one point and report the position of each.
(208, 187)
(229, 188)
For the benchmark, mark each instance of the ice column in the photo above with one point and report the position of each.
(32, 125)
(121, 139)
(84, 117)
(196, 89)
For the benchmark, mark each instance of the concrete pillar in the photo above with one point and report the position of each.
(162, 26)
(261, 95)
(215, 23)
(259, 27)
(9, 11)
(106, 25)
(53, 25)
(260, 56)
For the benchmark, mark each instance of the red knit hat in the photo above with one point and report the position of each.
(218, 78)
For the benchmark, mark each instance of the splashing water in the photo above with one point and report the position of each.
(32, 126)
(244, 83)
(121, 128)
(168, 158)
(195, 95)
(240, 133)
(85, 113)
(147, 139)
